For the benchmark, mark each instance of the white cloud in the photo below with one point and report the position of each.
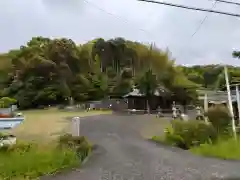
(166, 26)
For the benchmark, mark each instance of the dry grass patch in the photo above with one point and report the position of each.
(45, 125)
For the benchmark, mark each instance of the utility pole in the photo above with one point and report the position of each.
(238, 102)
(205, 107)
(230, 102)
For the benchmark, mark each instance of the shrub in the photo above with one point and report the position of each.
(78, 143)
(174, 139)
(83, 150)
(186, 134)
(220, 118)
(6, 102)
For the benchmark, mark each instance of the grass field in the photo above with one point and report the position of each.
(45, 125)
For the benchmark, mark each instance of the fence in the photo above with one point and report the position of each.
(105, 104)
(118, 106)
(113, 104)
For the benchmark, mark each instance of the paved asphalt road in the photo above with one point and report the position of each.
(123, 154)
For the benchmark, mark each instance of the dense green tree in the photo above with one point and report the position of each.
(50, 71)
(211, 76)
(6, 102)
(124, 83)
(147, 84)
(236, 54)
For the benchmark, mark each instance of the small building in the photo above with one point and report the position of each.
(162, 98)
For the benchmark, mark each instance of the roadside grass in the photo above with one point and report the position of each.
(30, 161)
(37, 151)
(224, 149)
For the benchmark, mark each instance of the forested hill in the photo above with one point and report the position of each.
(49, 71)
(211, 76)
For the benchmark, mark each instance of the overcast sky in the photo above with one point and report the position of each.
(166, 26)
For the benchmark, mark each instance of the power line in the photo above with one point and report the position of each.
(228, 2)
(200, 25)
(191, 8)
(114, 15)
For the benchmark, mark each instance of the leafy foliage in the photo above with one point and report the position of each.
(212, 76)
(236, 54)
(220, 118)
(147, 83)
(186, 134)
(50, 71)
(77, 143)
(6, 102)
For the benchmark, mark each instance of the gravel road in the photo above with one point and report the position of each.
(123, 154)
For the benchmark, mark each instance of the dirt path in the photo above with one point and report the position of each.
(123, 154)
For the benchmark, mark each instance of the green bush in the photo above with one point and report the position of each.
(78, 143)
(83, 150)
(6, 102)
(186, 134)
(174, 139)
(220, 118)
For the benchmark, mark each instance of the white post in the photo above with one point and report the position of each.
(76, 124)
(238, 102)
(78, 127)
(205, 106)
(230, 102)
